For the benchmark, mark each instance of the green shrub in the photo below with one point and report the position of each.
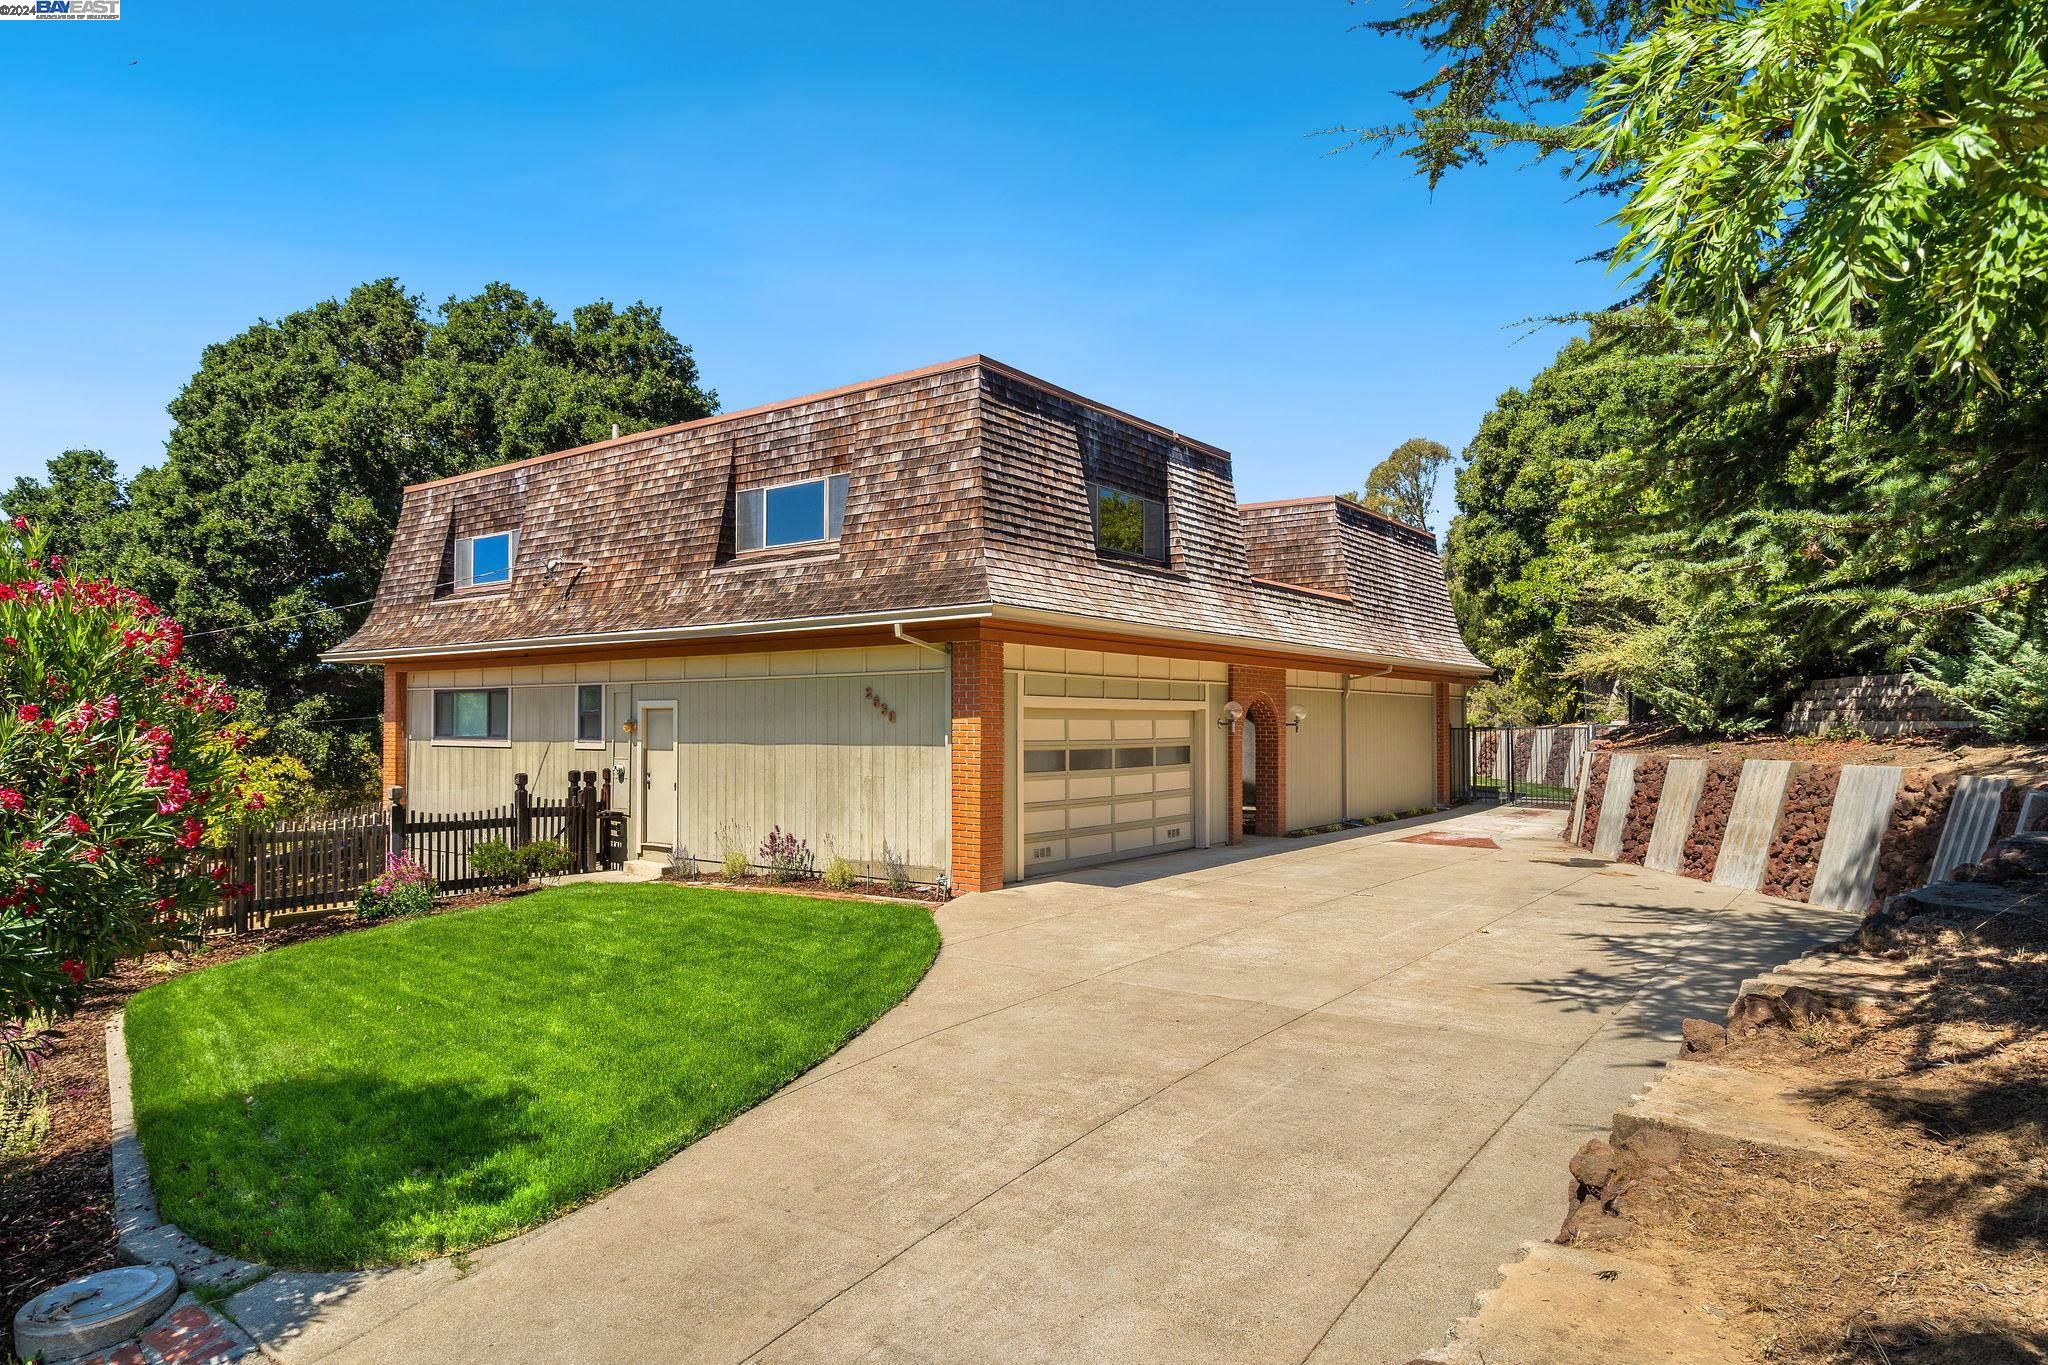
(839, 875)
(115, 758)
(734, 862)
(2001, 679)
(545, 858)
(498, 861)
(401, 891)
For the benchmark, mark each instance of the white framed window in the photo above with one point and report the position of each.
(473, 715)
(1128, 524)
(482, 561)
(802, 513)
(590, 716)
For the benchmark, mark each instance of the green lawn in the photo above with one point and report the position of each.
(438, 1084)
(1537, 789)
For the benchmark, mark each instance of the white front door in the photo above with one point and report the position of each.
(658, 776)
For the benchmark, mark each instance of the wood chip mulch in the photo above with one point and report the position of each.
(57, 1204)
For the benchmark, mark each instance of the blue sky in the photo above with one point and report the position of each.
(1123, 199)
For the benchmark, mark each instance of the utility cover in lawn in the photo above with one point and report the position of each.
(442, 1083)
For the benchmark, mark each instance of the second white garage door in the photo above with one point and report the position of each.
(1100, 785)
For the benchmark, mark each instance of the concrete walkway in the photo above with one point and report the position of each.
(1291, 1102)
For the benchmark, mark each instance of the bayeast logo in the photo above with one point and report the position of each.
(61, 9)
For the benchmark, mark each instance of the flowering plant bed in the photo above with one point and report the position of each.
(815, 887)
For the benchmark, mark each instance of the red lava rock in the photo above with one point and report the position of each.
(1642, 809)
(1702, 1036)
(1915, 830)
(1802, 826)
(1593, 1165)
(1596, 790)
(1710, 817)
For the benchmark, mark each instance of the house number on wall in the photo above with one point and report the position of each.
(879, 704)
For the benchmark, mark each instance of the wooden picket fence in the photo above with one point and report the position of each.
(317, 865)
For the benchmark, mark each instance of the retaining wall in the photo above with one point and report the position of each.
(1875, 703)
(1841, 835)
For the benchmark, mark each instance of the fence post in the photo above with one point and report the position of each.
(394, 823)
(588, 816)
(244, 873)
(572, 822)
(522, 812)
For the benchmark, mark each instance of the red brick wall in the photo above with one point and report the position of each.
(1263, 694)
(393, 739)
(1443, 744)
(977, 750)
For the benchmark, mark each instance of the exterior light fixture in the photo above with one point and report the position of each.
(1233, 712)
(1295, 717)
(627, 726)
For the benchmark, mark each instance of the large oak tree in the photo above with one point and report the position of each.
(264, 528)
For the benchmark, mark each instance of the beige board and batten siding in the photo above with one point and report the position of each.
(1363, 751)
(790, 739)
(1040, 680)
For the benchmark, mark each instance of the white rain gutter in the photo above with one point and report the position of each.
(1389, 662)
(668, 634)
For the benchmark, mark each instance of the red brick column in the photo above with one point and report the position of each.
(1262, 692)
(1443, 744)
(977, 748)
(393, 743)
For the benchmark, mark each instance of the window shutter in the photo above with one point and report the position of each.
(835, 505)
(511, 553)
(1155, 530)
(465, 559)
(750, 513)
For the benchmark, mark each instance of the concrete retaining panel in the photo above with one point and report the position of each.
(1972, 820)
(1614, 804)
(1539, 754)
(1746, 847)
(1847, 876)
(1682, 781)
(2033, 811)
(1585, 771)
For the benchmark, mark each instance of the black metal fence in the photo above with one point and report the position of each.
(1530, 765)
(319, 864)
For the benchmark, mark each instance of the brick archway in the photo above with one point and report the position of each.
(1262, 692)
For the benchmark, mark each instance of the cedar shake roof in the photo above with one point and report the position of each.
(968, 495)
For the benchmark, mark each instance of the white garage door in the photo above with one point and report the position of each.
(1102, 785)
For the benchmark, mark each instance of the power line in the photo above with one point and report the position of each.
(276, 620)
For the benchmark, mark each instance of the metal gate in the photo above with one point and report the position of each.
(1529, 765)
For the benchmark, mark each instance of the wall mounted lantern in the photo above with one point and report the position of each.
(1233, 712)
(1295, 717)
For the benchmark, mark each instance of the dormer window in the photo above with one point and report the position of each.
(803, 513)
(1129, 525)
(484, 561)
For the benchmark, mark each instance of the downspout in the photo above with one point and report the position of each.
(907, 638)
(1344, 749)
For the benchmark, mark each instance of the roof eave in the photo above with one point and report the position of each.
(866, 620)
(1110, 625)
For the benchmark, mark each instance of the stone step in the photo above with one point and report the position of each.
(1852, 987)
(1963, 900)
(1706, 1107)
(1561, 1304)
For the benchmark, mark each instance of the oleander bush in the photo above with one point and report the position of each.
(114, 760)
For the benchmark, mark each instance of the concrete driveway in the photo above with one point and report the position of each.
(1290, 1102)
